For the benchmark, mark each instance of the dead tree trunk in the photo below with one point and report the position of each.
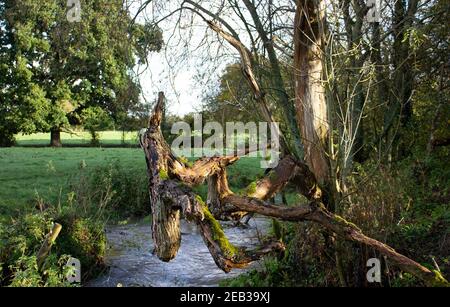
(170, 194)
(170, 198)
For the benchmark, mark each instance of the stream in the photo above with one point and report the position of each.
(132, 263)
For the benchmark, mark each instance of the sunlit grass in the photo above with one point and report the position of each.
(78, 138)
(26, 173)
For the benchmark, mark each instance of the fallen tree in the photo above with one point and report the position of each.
(170, 187)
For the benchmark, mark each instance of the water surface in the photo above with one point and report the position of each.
(132, 263)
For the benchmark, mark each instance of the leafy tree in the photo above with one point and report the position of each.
(233, 99)
(94, 120)
(53, 69)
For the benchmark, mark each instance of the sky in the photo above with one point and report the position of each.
(178, 81)
(182, 92)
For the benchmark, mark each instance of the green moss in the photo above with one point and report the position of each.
(439, 280)
(228, 249)
(185, 161)
(163, 174)
(346, 223)
(251, 189)
(273, 176)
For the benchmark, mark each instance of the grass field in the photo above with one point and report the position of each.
(83, 189)
(80, 138)
(31, 170)
(26, 173)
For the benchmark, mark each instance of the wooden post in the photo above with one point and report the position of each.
(47, 245)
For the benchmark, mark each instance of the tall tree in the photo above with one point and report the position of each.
(311, 106)
(232, 99)
(59, 67)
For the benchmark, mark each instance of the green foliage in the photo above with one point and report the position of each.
(104, 194)
(113, 191)
(273, 273)
(278, 230)
(406, 206)
(53, 69)
(426, 223)
(251, 188)
(84, 239)
(95, 119)
(96, 192)
(20, 242)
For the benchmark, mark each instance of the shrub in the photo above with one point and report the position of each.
(20, 242)
(112, 192)
(405, 205)
(96, 119)
(84, 239)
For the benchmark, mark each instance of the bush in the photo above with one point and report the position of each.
(272, 273)
(20, 241)
(96, 119)
(84, 239)
(112, 192)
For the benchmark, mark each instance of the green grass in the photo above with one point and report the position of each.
(26, 173)
(47, 171)
(80, 138)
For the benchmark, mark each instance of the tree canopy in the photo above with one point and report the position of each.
(53, 68)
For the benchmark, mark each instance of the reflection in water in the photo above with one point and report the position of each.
(132, 263)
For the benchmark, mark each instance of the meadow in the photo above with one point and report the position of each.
(79, 138)
(27, 173)
(31, 171)
(82, 188)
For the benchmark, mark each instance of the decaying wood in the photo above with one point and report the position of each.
(47, 244)
(170, 198)
(170, 182)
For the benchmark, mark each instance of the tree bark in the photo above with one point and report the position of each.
(311, 107)
(55, 137)
(169, 199)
